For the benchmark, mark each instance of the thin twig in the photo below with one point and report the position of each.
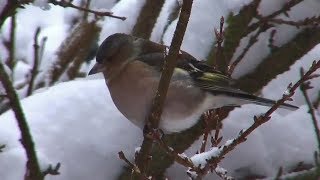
(252, 40)
(64, 3)
(35, 66)
(313, 21)
(304, 88)
(258, 121)
(265, 19)
(11, 59)
(2, 146)
(219, 40)
(179, 158)
(158, 102)
(134, 168)
(271, 40)
(33, 168)
(87, 6)
(52, 170)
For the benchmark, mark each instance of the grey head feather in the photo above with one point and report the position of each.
(111, 45)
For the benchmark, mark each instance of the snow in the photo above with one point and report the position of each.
(162, 20)
(200, 160)
(43, 4)
(279, 84)
(197, 41)
(260, 49)
(127, 8)
(74, 123)
(77, 124)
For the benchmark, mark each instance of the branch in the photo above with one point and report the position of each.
(34, 70)
(219, 61)
(75, 45)
(265, 19)
(33, 168)
(313, 21)
(217, 154)
(11, 44)
(52, 170)
(2, 146)
(169, 65)
(252, 40)
(304, 87)
(64, 3)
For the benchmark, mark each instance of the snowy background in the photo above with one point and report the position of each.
(76, 123)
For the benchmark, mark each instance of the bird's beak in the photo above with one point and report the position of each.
(96, 69)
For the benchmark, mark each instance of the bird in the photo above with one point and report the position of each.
(132, 69)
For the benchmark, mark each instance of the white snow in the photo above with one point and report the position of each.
(200, 160)
(76, 123)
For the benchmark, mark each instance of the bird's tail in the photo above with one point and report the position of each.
(249, 98)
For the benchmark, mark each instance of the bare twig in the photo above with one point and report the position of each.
(218, 153)
(2, 146)
(279, 173)
(304, 88)
(265, 19)
(33, 168)
(170, 62)
(252, 40)
(73, 48)
(179, 158)
(271, 40)
(87, 6)
(52, 170)
(134, 168)
(219, 40)
(316, 103)
(10, 9)
(210, 117)
(64, 3)
(34, 70)
(11, 44)
(313, 21)
(12, 5)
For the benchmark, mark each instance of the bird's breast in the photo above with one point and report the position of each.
(134, 88)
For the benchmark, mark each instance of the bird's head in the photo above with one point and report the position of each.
(114, 51)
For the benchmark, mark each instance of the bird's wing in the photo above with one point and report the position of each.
(153, 54)
(203, 76)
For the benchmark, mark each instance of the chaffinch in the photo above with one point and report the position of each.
(132, 67)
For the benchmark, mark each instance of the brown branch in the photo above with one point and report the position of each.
(64, 3)
(316, 103)
(33, 168)
(304, 88)
(170, 62)
(52, 170)
(11, 43)
(265, 19)
(133, 167)
(252, 40)
(220, 152)
(219, 60)
(179, 158)
(313, 21)
(12, 5)
(2, 146)
(10, 9)
(147, 18)
(79, 39)
(35, 66)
